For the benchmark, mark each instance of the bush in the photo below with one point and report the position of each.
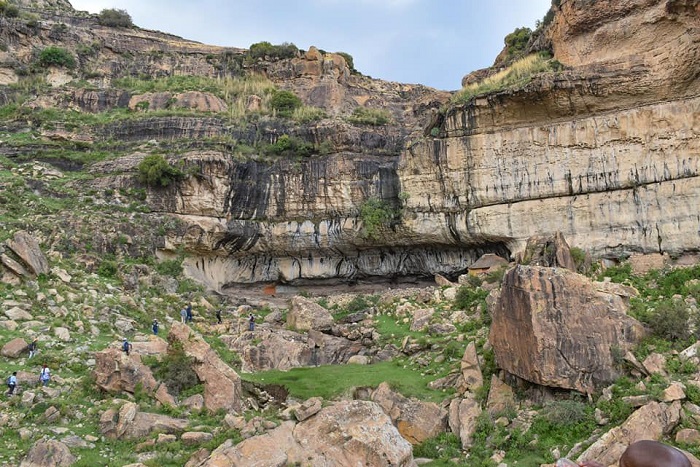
(176, 371)
(154, 170)
(468, 297)
(285, 102)
(670, 321)
(265, 49)
(115, 18)
(107, 268)
(169, 267)
(289, 146)
(374, 214)
(516, 42)
(56, 56)
(349, 60)
(9, 11)
(365, 116)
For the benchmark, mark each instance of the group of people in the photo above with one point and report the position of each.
(186, 314)
(44, 378)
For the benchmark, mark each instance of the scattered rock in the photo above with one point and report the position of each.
(48, 453)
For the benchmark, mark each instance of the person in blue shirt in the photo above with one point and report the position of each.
(11, 383)
(154, 327)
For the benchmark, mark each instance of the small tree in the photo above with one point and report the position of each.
(115, 18)
(56, 56)
(285, 102)
(154, 170)
(7, 10)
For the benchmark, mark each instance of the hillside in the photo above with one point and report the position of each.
(140, 172)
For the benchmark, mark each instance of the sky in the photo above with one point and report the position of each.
(430, 42)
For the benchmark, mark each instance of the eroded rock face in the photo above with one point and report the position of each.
(222, 385)
(48, 453)
(417, 421)
(128, 422)
(27, 251)
(553, 327)
(305, 314)
(116, 372)
(346, 433)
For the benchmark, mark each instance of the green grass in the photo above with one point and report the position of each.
(332, 381)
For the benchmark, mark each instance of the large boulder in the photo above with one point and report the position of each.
(116, 372)
(463, 417)
(553, 327)
(549, 251)
(416, 420)
(347, 433)
(305, 314)
(222, 385)
(15, 348)
(48, 453)
(470, 377)
(652, 421)
(28, 252)
(130, 423)
(282, 350)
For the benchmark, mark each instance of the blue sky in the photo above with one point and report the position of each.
(431, 42)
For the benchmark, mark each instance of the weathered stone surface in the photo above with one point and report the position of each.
(649, 422)
(501, 397)
(346, 433)
(463, 415)
(305, 314)
(18, 314)
(48, 453)
(548, 251)
(191, 438)
(421, 318)
(675, 392)
(282, 350)
(470, 378)
(129, 423)
(415, 420)
(560, 327)
(222, 385)
(688, 436)
(308, 408)
(15, 348)
(27, 249)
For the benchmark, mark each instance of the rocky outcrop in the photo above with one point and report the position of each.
(116, 372)
(222, 385)
(23, 256)
(305, 314)
(417, 421)
(556, 328)
(128, 422)
(346, 433)
(48, 453)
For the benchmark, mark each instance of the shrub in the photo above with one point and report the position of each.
(289, 146)
(468, 297)
(516, 42)
(265, 49)
(374, 214)
(366, 116)
(169, 267)
(670, 320)
(7, 10)
(154, 170)
(56, 56)
(176, 370)
(115, 18)
(349, 60)
(107, 268)
(285, 102)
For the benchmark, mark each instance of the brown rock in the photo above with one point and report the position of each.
(652, 421)
(471, 377)
(560, 327)
(195, 402)
(222, 385)
(116, 372)
(308, 409)
(200, 101)
(415, 420)
(675, 392)
(15, 348)
(48, 453)
(28, 252)
(462, 419)
(305, 314)
(501, 397)
(191, 438)
(421, 318)
(688, 436)
(129, 423)
(655, 363)
(549, 251)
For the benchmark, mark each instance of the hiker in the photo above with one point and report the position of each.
(126, 346)
(11, 383)
(32, 347)
(218, 315)
(188, 310)
(251, 322)
(45, 375)
(183, 316)
(154, 327)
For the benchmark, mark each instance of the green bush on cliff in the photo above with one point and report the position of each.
(375, 214)
(367, 116)
(115, 18)
(8, 10)
(154, 170)
(56, 56)
(516, 42)
(285, 102)
(265, 49)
